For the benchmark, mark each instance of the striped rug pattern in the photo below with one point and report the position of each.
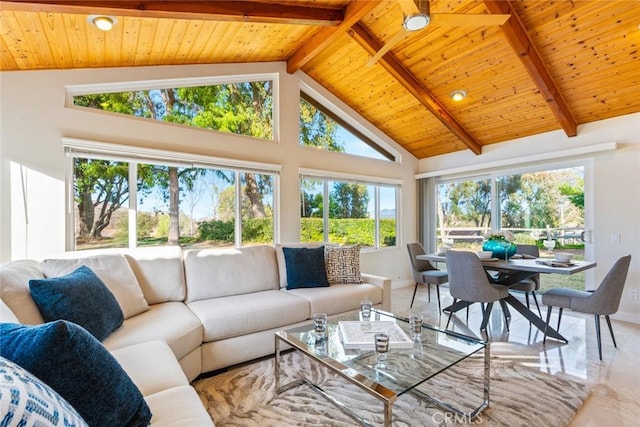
(245, 396)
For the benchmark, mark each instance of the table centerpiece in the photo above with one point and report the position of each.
(500, 243)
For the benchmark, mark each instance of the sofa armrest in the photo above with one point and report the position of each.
(383, 283)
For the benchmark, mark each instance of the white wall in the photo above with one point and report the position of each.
(615, 188)
(34, 119)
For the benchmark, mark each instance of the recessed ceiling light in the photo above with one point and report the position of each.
(416, 22)
(458, 95)
(103, 22)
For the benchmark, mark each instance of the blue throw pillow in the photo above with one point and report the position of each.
(73, 363)
(305, 267)
(79, 297)
(25, 400)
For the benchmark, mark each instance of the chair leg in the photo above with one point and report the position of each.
(438, 294)
(450, 313)
(485, 317)
(506, 313)
(559, 318)
(414, 294)
(546, 326)
(429, 291)
(611, 330)
(526, 297)
(535, 299)
(597, 318)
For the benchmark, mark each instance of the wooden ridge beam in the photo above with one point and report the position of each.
(522, 44)
(406, 79)
(233, 11)
(321, 40)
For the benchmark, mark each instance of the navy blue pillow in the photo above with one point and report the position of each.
(305, 267)
(73, 363)
(79, 297)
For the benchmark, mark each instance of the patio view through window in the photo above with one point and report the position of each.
(347, 212)
(534, 206)
(186, 206)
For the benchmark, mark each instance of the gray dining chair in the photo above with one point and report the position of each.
(532, 284)
(602, 302)
(425, 273)
(469, 282)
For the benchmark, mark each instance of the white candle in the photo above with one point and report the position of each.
(548, 233)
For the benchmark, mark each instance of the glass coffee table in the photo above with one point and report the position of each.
(434, 353)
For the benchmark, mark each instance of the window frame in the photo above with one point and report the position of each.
(134, 155)
(132, 86)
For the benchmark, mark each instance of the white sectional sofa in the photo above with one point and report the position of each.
(192, 312)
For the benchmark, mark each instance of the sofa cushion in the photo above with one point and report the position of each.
(214, 273)
(152, 366)
(6, 314)
(79, 297)
(282, 267)
(113, 270)
(305, 267)
(338, 298)
(243, 314)
(79, 368)
(159, 271)
(343, 264)
(178, 407)
(14, 289)
(171, 322)
(25, 400)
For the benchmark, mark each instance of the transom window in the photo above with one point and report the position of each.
(323, 129)
(244, 108)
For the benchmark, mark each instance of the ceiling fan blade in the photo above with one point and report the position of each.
(409, 7)
(397, 38)
(468, 19)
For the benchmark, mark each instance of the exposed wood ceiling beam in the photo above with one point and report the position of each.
(517, 36)
(406, 79)
(238, 11)
(352, 14)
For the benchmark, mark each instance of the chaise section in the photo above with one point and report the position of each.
(153, 369)
(171, 322)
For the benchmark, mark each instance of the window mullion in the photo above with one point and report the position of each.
(325, 210)
(133, 204)
(238, 210)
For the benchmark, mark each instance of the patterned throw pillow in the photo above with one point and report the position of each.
(27, 401)
(343, 264)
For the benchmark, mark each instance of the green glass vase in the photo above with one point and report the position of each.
(498, 248)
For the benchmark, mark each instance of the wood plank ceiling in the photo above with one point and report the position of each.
(552, 65)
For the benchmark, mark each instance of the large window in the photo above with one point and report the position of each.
(535, 206)
(170, 204)
(323, 129)
(244, 108)
(348, 212)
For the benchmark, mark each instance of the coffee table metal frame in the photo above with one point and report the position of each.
(370, 386)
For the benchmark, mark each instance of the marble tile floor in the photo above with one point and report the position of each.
(615, 381)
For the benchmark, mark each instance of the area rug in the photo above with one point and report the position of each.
(520, 396)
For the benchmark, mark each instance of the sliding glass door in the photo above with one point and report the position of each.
(535, 204)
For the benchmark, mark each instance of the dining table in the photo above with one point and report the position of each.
(515, 269)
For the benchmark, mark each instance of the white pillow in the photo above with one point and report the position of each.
(25, 400)
(114, 271)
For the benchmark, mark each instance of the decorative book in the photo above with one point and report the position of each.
(359, 335)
